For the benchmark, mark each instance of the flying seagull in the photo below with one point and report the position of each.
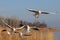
(12, 29)
(38, 12)
(28, 28)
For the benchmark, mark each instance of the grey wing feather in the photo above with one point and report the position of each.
(6, 24)
(44, 12)
(33, 11)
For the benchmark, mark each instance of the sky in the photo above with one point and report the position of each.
(18, 8)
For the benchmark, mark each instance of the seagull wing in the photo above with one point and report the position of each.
(6, 24)
(20, 27)
(52, 13)
(48, 13)
(34, 28)
(36, 11)
(44, 12)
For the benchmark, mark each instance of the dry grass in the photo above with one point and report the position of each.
(35, 35)
(14, 36)
(14, 22)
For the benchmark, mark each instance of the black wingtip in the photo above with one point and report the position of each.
(27, 34)
(35, 29)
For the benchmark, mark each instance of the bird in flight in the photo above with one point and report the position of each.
(28, 28)
(38, 12)
(12, 29)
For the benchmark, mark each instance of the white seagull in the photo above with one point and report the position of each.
(28, 28)
(21, 35)
(38, 12)
(12, 29)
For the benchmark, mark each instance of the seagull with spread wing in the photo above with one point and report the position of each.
(21, 35)
(38, 12)
(12, 28)
(29, 28)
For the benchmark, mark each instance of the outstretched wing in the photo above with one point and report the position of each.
(48, 13)
(34, 28)
(31, 10)
(6, 23)
(20, 27)
(45, 13)
(52, 13)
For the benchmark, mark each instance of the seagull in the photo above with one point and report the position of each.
(28, 28)
(38, 12)
(12, 29)
(21, 35)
